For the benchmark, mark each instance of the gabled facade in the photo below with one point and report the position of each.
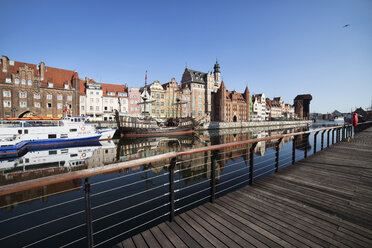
(201, 85)
(231, 106)
(259, 107)
(30, 89)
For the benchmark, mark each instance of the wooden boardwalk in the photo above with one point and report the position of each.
(322, 201)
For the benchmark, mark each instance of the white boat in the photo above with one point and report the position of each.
(339, 119)
(18, 135)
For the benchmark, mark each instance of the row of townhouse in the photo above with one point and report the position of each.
(265, 109)
(40, 90)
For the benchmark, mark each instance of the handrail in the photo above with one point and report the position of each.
(26, 185)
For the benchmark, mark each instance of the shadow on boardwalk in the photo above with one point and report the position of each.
(322, 201)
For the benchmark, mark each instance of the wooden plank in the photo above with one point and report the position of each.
(305, 234)
(232, 231)
(213, 228)
(128, 243)
(277, 241)
(139, 241)
(172, 236)
(285, 232)
(257, 239)
(186, 233)
(200, 230)
(150, 239)
(161, 238)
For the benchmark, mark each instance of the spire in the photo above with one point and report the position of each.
(216, 67)
(223, 85)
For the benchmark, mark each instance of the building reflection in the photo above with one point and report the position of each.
(190, 168)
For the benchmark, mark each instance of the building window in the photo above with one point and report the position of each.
(50, 85)
(91, 108)
(49, 105)
(97, 100)
(7, 104)
(49, 97)
(59, 105)
(7, 94)
(97, 93)
(106, 100)
(22, 94)
(37, 105)
(23, 104)
(29, 82)
(91, 100)
(67, 87)
(162, 96)
(111, 101)
(82, 107)
(59, 97)
(82, 99)
(91, 92)
(16, 81)
(97, 108)
(111, 108)
(69, 98)
(24, 81)
(37, 96)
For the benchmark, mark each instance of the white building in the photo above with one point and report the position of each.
(259, 107)
(99, 101)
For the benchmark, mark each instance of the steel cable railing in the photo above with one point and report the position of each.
(232, 175)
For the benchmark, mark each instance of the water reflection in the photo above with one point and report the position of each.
(193, 167)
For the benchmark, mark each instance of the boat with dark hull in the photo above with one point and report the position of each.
(148, 126)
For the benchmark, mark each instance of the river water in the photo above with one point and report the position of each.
(131, 200)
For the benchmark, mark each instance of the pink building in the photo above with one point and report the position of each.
(134, 99)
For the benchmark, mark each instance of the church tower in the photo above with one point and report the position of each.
(217, 74)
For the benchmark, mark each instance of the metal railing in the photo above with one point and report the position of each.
(87, 215)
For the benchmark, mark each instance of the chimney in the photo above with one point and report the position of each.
(5, 63)
(42, 71)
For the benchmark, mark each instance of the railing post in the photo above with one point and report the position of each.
(344, 136)
(88, 213)
(328, 137)
(322, 141)
(306, 141)
(171, 189)
(277, 154)
(251, 156)
(213, 176)
(333, 136)
(294, 149)
(315, 135)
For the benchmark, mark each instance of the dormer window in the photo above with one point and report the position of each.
(111, 93)
(11, 62)
(8, 80)
(50, 85)
(67, 87)
(24, 81)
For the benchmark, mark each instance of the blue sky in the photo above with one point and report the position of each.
(279, 47)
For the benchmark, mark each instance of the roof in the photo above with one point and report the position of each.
(197, 76)
(304, 97)
(55, 75)
(230, 94)
(113, 88)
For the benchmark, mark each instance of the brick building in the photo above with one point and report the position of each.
(201, 86)
(302, 106)
(231, 106)
(37, 90)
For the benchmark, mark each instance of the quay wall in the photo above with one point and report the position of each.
(253, 124)
(228, 125)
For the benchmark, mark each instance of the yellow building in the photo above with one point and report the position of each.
(157, 94)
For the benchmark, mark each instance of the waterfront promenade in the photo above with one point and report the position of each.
(324, 200)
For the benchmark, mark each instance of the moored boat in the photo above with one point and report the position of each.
(147, 126)
(16, 135)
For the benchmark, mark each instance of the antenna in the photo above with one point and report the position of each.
(146, 79)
